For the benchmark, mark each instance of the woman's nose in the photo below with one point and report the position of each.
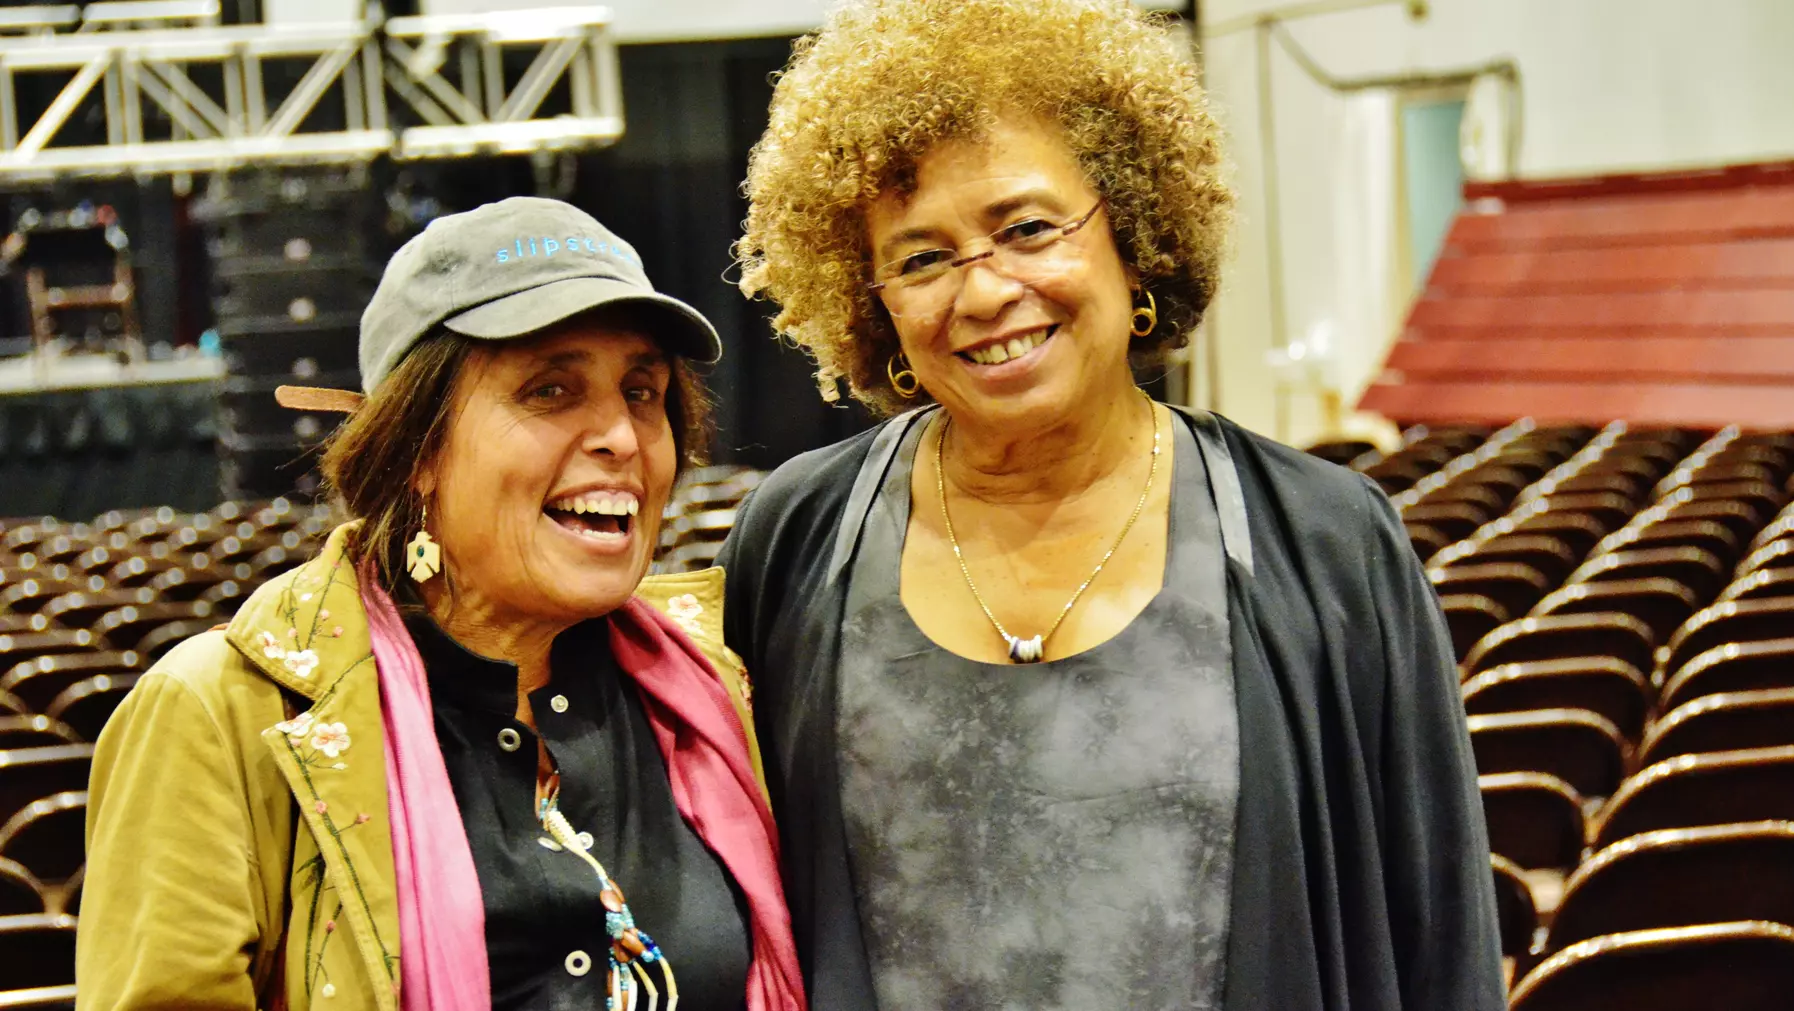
(611, 431)
(985, 290)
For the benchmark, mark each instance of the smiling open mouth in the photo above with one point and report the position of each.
(997, 354)
(598, 515)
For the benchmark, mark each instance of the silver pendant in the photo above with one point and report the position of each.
(1025, 650)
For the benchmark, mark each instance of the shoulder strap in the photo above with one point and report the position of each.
(866, 485)
(1224, 484)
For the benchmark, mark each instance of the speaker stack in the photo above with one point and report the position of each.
(295, 257)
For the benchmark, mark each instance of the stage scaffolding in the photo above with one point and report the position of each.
(214, 98)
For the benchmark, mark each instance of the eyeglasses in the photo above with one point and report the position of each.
(926, 282)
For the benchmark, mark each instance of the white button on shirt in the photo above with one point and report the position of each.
(558, 703)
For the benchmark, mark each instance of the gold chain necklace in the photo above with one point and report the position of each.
(1031, 650)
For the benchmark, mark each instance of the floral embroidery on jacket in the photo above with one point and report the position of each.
(685, 609)
(331, 738)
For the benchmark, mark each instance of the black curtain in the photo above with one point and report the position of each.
(673, 188)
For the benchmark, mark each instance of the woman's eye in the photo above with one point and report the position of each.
(1021, 231)
(548, 391)
(642, 394)
(926, 260)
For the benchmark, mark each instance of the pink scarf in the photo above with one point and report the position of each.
(442, 921)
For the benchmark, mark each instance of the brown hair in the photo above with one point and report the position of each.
(885, 81)
(373, 461)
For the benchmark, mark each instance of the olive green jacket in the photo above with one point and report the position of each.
(238, 850)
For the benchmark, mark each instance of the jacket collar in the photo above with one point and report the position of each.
(305, 627)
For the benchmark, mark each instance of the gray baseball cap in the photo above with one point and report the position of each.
(510, 269)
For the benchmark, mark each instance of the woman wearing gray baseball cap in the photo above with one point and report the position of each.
(468, 758)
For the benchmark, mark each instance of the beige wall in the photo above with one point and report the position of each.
(1608, 85)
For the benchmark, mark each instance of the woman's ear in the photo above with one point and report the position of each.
(425, 485)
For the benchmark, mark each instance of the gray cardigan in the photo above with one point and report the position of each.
(1361, 874)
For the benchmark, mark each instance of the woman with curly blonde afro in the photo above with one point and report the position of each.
(1072, 699)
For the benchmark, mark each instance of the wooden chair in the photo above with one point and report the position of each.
(1762, 583)
(12, 705)
(1694, 790)
(1489, 500)
(55, 642)
(1728, 721)
(1662, 604)
(18, 624)
(34, 732)
(1578, 531)
(86, 705)
(61, 549)
(1736, 621)
(1456, 520)
(1592, 480)
(1609, 687)
(1574, 745)
(1469, 617)
(160, 640)
(1774, 556)
(1717, 472)
(1546, 555)
(38, 681)
(1698, 570)
(28, 774)
(1708, 536)
(1559, 636)
(1605, 508)
(1734, 966)
(1535, 819)
(39, 952)
(97, 561)
(186, 582)
(1517, 916)
(21, 894)
(139, 570)
(1425, 541)
(1514, 587)
(1679, 878)
(48, 836)
(1779, 528)
(1767, 498)
(27, 595)
(1741, 518)
(128, 625)
(1734, 667)
(82, 610)
(271, 562)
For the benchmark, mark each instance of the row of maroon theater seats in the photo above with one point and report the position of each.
(1616, 598)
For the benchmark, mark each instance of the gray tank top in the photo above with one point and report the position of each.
(1056, 835)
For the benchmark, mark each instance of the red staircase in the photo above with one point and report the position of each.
(1655, 299)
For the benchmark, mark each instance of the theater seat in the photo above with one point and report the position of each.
(1561, 636)
(1680, 878)
(85, 706)
(166, 637)
(28, 774)
(1469, 617)
(1722, 967)
(39, 681)
(1662, 604)
(47, 836)
(1767, 583)
(38, 951)
(1713, 789)
(1515, 587)
(1535, 819)
(1733, 621)
(1734, 667)
(1518, 918)
(1702, 573)
(20, 893)
(1574, 745)
(1728, 721)
(34, 732)
(1611, 688)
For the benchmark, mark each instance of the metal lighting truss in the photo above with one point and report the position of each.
(409, 87)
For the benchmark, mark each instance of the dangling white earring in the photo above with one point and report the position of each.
(423, 556)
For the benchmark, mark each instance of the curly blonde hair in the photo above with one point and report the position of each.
(885, 81)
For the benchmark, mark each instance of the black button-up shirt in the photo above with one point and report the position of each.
(543, 917)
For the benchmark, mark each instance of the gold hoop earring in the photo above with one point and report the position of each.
(423, 556)
(903, 380)
(1145, 316)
